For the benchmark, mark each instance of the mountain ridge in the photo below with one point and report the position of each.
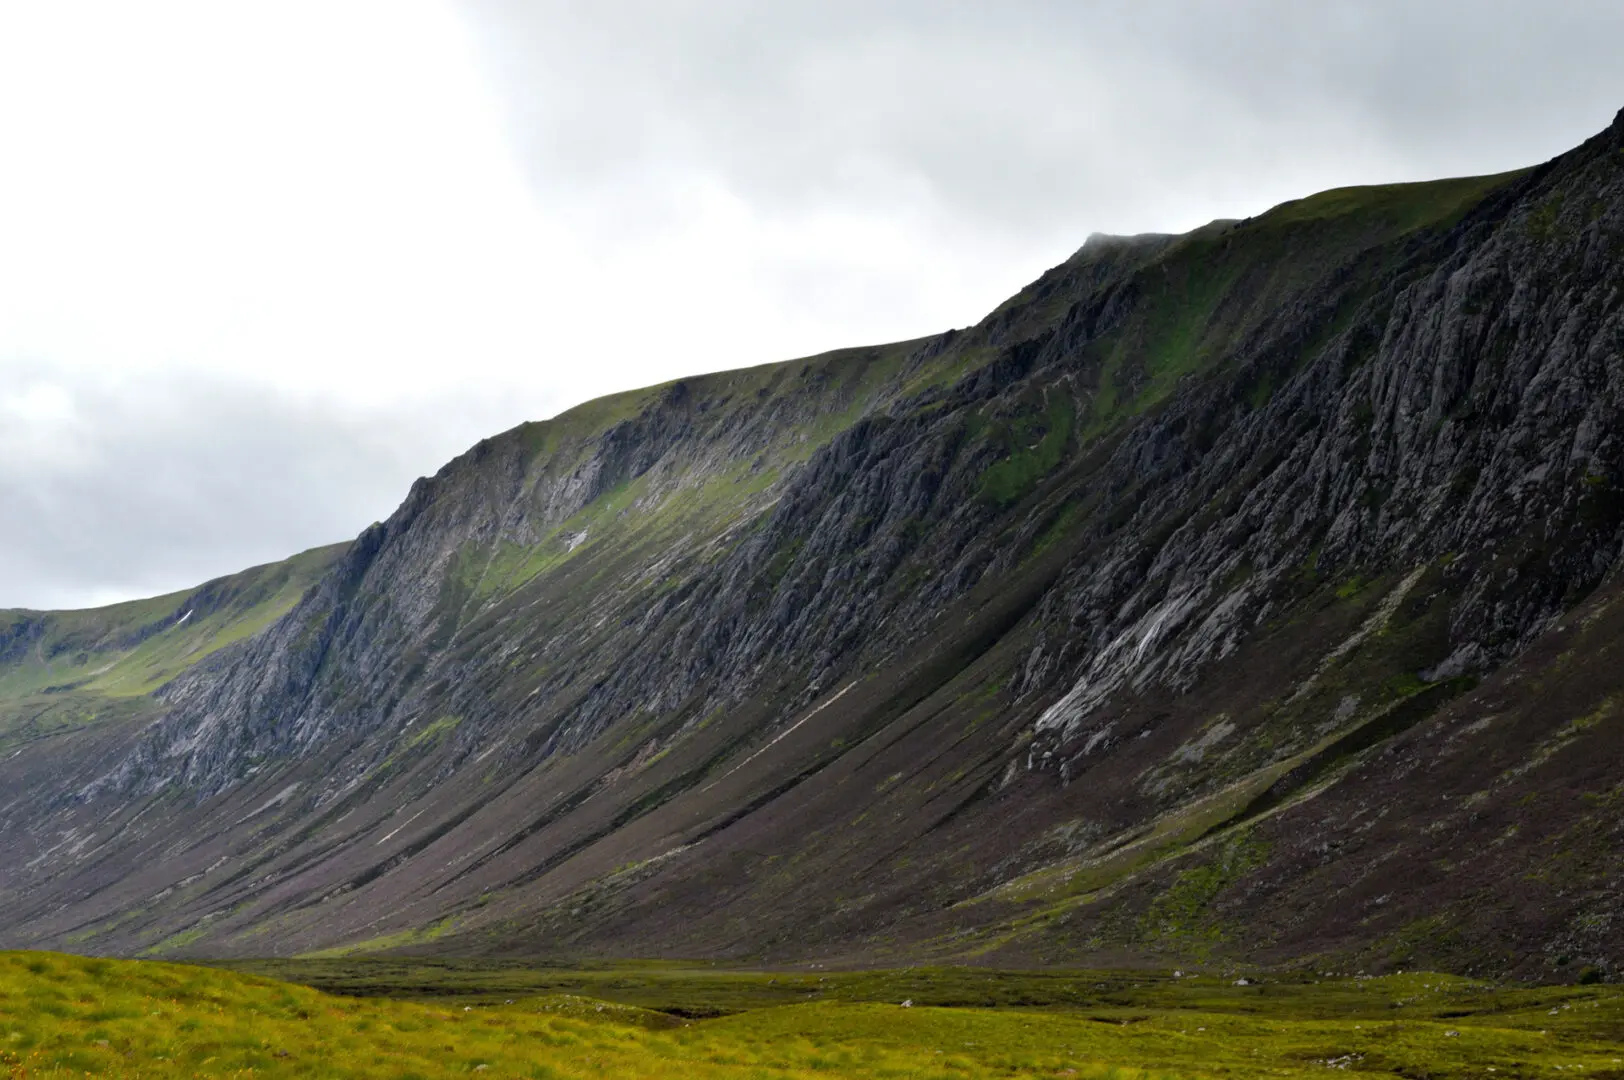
(1042, 640)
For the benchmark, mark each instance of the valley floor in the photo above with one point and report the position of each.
(70, 1016)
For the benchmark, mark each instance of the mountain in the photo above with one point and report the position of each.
(1251, 593)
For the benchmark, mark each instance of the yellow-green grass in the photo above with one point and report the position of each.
(69, 1016)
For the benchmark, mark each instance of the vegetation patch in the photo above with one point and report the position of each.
(1182, 916)
(1037, 446)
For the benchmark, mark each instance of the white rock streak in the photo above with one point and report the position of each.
(776, 739)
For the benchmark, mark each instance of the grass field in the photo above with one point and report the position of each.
(71, 1016)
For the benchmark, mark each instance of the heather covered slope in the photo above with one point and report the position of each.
(1189, 604)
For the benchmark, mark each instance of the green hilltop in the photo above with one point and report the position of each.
(61, 670)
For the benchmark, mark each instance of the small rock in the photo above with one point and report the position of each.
(908, 1004)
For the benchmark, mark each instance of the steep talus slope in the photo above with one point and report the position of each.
(1190, 603)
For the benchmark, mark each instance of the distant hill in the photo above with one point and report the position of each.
(61, 670)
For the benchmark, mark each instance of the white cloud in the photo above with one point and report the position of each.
(313, 195)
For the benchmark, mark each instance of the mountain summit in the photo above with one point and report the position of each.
(1247, 593)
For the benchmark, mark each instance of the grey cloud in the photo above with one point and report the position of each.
(1030, 117)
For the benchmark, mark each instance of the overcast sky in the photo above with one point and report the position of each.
(261, 264)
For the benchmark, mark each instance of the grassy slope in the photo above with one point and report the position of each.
(847, 384)
(64, 669)
(63, 1015)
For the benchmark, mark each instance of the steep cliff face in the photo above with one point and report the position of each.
(1123, 622)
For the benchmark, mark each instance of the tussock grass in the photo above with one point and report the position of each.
(70, 1016)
